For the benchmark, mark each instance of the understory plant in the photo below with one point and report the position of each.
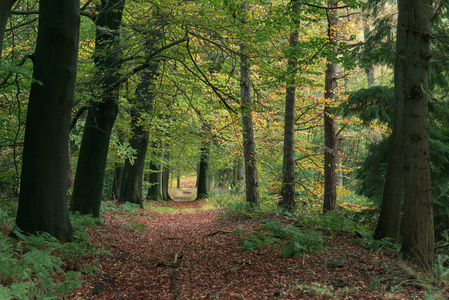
(40, 267)
(291, 240)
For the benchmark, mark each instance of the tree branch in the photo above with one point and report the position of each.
(208, 82)
(21, 63)
(146, 64)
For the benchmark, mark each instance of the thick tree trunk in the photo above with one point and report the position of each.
(389, 223)
(131, 188)
(5, 9)
(43, 192)
(330, 137)
(101, 116)
(203, 172)
(288, 175)
(131, 184)
(249, 147)
(418, 232)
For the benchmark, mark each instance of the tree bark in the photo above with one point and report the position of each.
(165, 176)
(389, 223)
(154, 178)
(101, 116)
(43, 192)
(249, 147)
(116, 183)
(370, 69)
(5, 9)
(203, 172)
(330, 137)
(288, 175)
(418, 232)
(131, 188)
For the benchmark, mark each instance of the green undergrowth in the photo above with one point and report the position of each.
(40, 267)
(291, 240)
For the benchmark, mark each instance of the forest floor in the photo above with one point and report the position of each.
(186, 252)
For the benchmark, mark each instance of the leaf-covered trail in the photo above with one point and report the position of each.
(193, 256)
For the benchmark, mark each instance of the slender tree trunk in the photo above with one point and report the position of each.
(369, 70)
(418, 232)
(203, 172)
(330, 137)
(154, 178)
(5, 9)
(101, 116)
(165, 173)
(69, 173)
(116, 183)
(43, 192)
(288, 179)
(249, 147)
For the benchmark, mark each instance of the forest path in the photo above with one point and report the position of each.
(191, 255)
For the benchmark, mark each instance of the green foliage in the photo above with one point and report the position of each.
(292, 240)
(370, 105)
(332, 222)
(441, 268)
(128, 207)
(385, 244)
(233, 207)
(28, 266)
(40, 267)
(136, 226)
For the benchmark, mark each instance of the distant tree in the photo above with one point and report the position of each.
(43, 192)
(165, 174)
(101, 116)
(155, 174)
(131, 187)
(203, 172)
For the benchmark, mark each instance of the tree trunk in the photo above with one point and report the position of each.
(116, 183)
(418, 232)
(154, 191)
(249, 147)
(101, 116)
(43, 192)
(131, 188)
(389, 223)
(203, 172)
(5, 9)
(288, 175)
(69, 173)
(370, 69)
(165, 176)
(131, 184)
(330, 86)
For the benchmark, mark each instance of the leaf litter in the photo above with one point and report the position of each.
(194, 255)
